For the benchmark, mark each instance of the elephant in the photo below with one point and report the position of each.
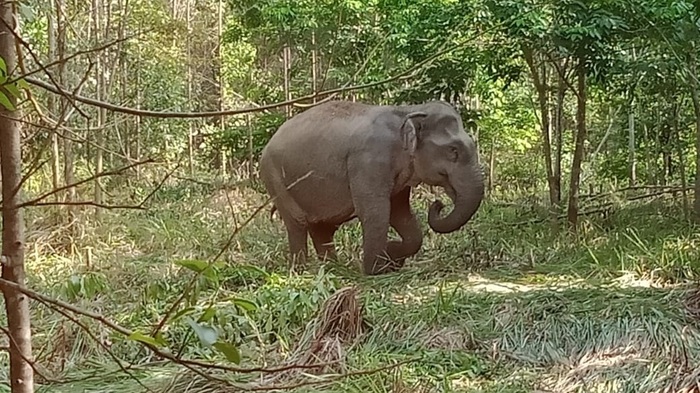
(342, 160)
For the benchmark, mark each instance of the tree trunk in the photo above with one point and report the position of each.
(314, 65)
(190, 82)
(101, 96)
(540, 82)
(286, 60)
(68, 167)
(53, 110)
(492, 166)
(681, 159)
(572, 211)
(559, 135)
(695, 94)
(16, 303)
(631, 146)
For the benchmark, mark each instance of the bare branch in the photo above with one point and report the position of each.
(90, 203)
(114, 172)
(194, 278)
(126, 332)
(97, 340)
(409, 73)
(31, 363)
(77, 54)
(36, 59)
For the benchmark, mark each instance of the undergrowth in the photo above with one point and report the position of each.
(503, 305)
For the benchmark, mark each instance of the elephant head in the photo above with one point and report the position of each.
(444, 155)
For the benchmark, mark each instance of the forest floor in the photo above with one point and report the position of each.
(503, 305)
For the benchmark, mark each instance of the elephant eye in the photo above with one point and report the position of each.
(453, 153)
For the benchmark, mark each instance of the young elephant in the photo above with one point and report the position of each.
(357, 160)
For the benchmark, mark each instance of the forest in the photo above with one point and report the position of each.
(141, 252)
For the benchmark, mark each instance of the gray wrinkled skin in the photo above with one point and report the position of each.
(361, 161)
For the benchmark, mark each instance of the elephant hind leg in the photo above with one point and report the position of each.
(405, 223)
(322, 238)
(297, 236)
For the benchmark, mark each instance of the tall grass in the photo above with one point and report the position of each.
(504, 305)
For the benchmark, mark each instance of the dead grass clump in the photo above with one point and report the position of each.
(692, 302)
(338, 325)
(450, 338)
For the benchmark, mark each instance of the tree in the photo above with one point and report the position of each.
(16, 303)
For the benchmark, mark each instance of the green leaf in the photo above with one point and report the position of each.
(229, 350)
(3, 66)
(183, 312)
(12, 88)
(247, 305)
(206, 334)
(22, 84)
(6, 102)
(138, 336)
(208, 315)
(198, 266)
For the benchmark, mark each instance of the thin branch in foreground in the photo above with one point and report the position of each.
(331, 379)
(28, 47)
(90, 203)
(126, 332)
(195, 277)
(97, 340)
(114, 172)
(31, 363)
(77, 54)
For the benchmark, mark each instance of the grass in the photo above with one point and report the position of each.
(504, 305)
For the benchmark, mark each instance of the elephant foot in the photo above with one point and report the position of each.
(383, 266)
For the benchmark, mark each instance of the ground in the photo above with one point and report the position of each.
(504, 305)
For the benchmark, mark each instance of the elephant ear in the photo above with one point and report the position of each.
(409, 134)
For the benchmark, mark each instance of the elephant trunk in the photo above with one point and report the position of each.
(466, 195)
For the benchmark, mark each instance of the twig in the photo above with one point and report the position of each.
(334, 378)
(97, 340)
(90, 203)
(603, 207)
(76, 54)
(404, 75)
(38, 62)
(29, 362)
(126, 332)
(194, 278)
(114, 172)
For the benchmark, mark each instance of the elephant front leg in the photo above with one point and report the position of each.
(405, 223)
(370, 186)
(375, 227)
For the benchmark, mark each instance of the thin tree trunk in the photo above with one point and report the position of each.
(681, 160)
(540, 82)
(492, 165)
(190, 76)
(249, 126)
(222, 119)
(53, 110)
(68, 167)
(559, 133)
(16, 303)
(572, 211)
(286, 60)
(314, 65)
(695, 95)
(101, 95)
(631, 146)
